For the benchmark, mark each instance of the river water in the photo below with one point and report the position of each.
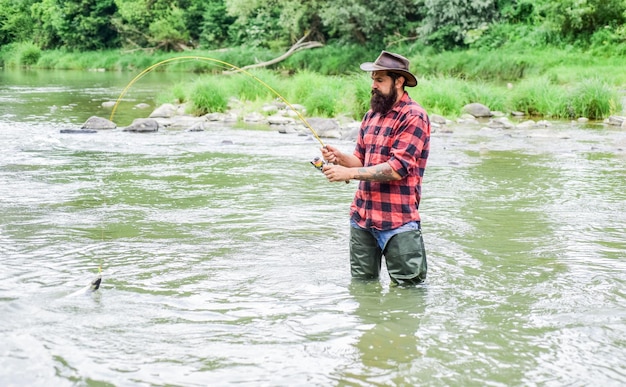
(224, 255)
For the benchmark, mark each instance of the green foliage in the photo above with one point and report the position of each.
(371, 21)
(457, 23)
(331, 59)
(248, 88)
(609, 41)
(358, 96)
(540, 97)
(75, 25)
(321, 95)
(477, 65)
(553, 83)
(489, 94)
(215, 24)
(28, 54)
(579, 19)
(20, 55)
(441, 95)
(594, 99)
(207, 96)
(430, 25)
(258, 23)
(16, 23)
(177, 94)
(168, 31)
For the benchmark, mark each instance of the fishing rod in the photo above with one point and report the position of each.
(316, 162)
(225, 65)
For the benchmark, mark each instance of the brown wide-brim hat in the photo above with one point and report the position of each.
(388, 61)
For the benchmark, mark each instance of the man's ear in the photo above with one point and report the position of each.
(400, 81)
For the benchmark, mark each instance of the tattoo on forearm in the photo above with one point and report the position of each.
(382, 172)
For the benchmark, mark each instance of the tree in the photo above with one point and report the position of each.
(75, 24)
(371, 21)
(361, 21)
(449, 22)
(16, 23)
(215, 24)
(578, 20)
(159, 24)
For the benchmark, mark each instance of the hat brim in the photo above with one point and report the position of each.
(411, 81)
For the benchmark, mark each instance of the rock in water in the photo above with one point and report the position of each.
(98, 123)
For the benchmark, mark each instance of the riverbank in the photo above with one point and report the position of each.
(550, 83)
(291, 119)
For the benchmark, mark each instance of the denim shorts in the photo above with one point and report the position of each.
(382, 237)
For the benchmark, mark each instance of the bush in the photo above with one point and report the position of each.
(20, 55)
(254, 85)
(208, 96)
(443, 96)
(540, 97)
(594, 99)
(29, 54)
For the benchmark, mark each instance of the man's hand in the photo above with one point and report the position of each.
(331, 154)
(337, 173)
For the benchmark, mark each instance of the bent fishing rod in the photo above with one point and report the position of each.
(317, 162)
(225, 65)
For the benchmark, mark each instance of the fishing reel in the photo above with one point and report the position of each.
(319, 164)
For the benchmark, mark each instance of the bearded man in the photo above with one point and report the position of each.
(389, 161)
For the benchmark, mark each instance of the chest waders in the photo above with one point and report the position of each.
(404, 254)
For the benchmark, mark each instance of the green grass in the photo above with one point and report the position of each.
(208, 96)
(327, 96)
(595, 99)
(542, 82)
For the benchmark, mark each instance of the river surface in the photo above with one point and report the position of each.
(224, 255)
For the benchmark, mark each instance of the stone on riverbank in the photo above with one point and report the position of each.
(98, 123)
(617, 121)
(478, 110)
(167, 110)
(143, 125)
(325, 127)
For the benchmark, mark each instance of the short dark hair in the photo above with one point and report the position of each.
(395, 76)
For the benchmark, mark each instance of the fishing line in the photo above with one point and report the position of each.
(224, 65)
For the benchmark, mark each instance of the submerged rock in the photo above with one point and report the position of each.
(78, 131)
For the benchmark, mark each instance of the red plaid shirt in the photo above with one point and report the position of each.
(401, 138)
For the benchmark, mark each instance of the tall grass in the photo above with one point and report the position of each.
(334, 96)
(593, 98)
(208, 96)
(20, 55)
(540, 97)
(545, 82)
(443, 96)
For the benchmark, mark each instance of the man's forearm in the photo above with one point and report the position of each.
(379, 172)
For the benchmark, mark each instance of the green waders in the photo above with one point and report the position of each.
(404, 253)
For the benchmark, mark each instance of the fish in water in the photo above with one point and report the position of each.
(92, 287)
(95, 284)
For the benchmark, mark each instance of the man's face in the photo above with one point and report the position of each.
(384, 93)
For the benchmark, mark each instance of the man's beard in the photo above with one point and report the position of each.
(381, 103)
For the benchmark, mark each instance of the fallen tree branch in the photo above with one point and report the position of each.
(402, 39)
(299, 45)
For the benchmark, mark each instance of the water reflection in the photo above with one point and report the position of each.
(389, 321)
